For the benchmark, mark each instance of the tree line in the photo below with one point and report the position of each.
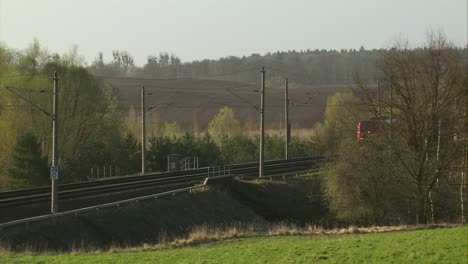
(304, 67)
(307, 67)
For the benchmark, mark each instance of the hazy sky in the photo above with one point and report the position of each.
(199, 29)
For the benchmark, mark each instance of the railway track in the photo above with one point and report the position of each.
(126, 183)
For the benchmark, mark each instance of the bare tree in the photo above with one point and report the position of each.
(423, 92)
(123, 61)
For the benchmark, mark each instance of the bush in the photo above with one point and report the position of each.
(364, 187)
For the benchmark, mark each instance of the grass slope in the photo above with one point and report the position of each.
(242, 202)
(447, 245)
(297, 200)
(133, 224)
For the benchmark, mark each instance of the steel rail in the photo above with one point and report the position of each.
(69, 186)
(97, 207)
(82, 190)
(145, 183)
(136, 199)
(138, 177)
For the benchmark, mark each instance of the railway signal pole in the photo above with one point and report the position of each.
(287, 129)
(143, 131)
(262, 124)
(54, 171)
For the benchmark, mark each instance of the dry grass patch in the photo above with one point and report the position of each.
(285, 229)
(206, 234)
(4, 248)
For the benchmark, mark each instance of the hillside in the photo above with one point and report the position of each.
(192, 103)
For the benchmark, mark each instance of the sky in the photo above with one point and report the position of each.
(210, 29)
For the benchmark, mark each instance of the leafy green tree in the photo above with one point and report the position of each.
(274, 147)
(302, 148)
(158, 149)
(204, 148)
(170, 129)
(72, 58)
(28, 166)
(188, 145)
(87, 110)
(342, 113)
(224, 124)
(31, 60)
(129, 156)
(362, 186)
(208, 152)
(6, 58)
(238, 149)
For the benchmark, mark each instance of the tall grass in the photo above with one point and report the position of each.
(205, 234)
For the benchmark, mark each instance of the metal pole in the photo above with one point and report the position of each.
(262, 124)
(463, 172)
(378, 98)
(391, 122)
(143, 131)
(286, 119)
(54, 170)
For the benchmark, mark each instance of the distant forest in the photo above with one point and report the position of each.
(313, 67)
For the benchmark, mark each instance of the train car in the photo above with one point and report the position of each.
(370, 128)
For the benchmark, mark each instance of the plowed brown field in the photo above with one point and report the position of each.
(192, 103)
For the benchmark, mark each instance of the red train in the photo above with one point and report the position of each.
(370, 128)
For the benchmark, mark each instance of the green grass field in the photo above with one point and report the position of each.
(445, 245)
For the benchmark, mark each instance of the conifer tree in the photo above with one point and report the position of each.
(28, 167)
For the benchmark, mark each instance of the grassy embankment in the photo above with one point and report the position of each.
(241, 203)
(294, 200)
(150, 221)
(445, 245)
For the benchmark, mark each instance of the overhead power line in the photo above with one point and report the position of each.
(14, 106)
(140, 78)
(214, 106)
(21, 75)
(243, 100)
(30, 90)
(179, 79)
(199, 89)
(230, 73)
(183, 88)
(29, 101)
